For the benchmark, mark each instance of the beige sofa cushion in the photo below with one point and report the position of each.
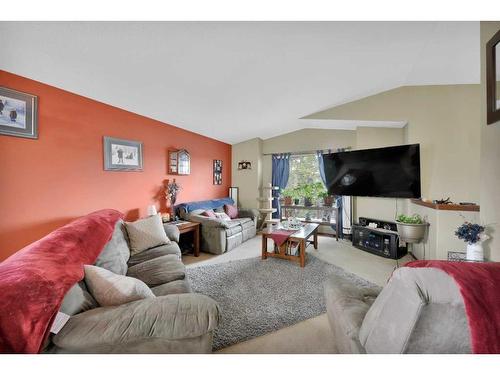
(156, 271)
(146, 233)
(420, 310)
(110, 289)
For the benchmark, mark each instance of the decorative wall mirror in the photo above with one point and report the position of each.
(493, 79)
(179, 162)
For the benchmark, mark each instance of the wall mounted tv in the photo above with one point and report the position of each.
(379, 172)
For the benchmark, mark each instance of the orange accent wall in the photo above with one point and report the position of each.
(47, 182)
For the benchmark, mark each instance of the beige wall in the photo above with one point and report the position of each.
(304, 140)
(444, 120)
(490, 157)
(440, 235)
(248, 181)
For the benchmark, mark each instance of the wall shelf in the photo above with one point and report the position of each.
(447, 207)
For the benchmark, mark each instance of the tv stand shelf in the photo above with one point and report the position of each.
(382, 241)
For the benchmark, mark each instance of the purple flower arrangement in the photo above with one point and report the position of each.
(470, 233)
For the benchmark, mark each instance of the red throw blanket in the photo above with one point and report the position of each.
(34, 280)
(281, 235)
(479, 284)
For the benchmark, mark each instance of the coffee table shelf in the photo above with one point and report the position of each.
(301, 237)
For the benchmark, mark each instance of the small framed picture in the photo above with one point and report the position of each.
(18, 114)
(217, 172)
(122, 155)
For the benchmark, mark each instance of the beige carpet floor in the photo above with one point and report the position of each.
(312, 335)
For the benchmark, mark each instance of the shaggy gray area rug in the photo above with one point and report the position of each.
(261, 296)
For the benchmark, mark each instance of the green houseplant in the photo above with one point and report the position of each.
(308, 193)
(288, 195)
(411, 228)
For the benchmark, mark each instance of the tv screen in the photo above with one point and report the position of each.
(380, 172)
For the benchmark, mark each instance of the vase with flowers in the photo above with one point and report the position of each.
(474, 235)
(171, 191)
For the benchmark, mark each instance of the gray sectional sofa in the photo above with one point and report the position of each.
(219, 236)
(420, 310)
(177, 321)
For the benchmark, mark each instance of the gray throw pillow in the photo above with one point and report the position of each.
(146, 233)
(110, 289)
(77, 300)
(115, 255)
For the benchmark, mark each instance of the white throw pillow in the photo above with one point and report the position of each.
(222, 216)
(110, 289)
(146, 233)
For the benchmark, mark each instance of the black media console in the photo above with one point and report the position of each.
(381, 240)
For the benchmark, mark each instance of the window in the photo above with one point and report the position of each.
(303, 170)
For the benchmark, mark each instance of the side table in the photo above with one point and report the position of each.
(191, 227)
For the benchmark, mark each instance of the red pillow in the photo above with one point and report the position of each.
(231, 211)
(209, 213)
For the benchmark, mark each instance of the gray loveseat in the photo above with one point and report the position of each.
(219, 236)
(177, 321)
(420, 310)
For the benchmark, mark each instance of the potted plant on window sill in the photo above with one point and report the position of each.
(308, 194)
(327, 198)
(288, 195)
(411, 229)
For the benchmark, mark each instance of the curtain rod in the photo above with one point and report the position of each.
(313, 152)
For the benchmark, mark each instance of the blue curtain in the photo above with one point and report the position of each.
(338, 198)
(280, 174)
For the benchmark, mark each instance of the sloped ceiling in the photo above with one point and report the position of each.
(235, 81)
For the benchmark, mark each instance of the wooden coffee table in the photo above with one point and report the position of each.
(301, 237)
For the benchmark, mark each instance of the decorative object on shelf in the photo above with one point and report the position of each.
(179, 162)
(233, 194)
(151, 210)
(122, 154)
(442, 201)
(244, 164)
(492, 79)
(411, 229)
(474, 235)
(18, 114)
(171, 191)
(217, 172)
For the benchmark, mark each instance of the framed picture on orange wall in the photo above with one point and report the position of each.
(18, 114)
(122, 155)
(217, 172)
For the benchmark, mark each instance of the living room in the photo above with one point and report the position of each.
(249, 187)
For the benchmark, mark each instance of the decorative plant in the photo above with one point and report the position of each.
(470, 233)
(323, 194)
(288, 192)
(413, 219)
(171, 191)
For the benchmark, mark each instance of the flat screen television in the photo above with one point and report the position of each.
(392, 172)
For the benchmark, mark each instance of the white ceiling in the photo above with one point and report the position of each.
(238, 80)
